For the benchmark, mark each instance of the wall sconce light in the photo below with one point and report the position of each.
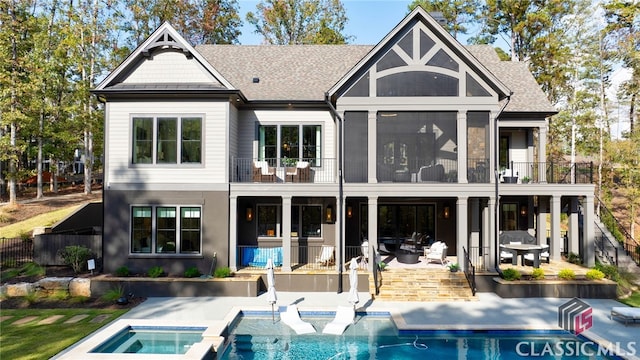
(523, 210)
(249, 214)
(349, 212)
(445, 212)
(329, 214)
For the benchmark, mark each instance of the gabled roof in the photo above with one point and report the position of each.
(420, 15)
(165, 38)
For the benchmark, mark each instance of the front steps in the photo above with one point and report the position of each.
(421, 285)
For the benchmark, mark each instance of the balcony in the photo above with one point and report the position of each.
(547, 172)
(283, 170)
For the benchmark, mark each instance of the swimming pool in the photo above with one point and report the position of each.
(374, 336)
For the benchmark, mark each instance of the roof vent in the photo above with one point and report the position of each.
(256, 80)
(437, 16)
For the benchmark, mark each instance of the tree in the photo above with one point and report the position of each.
(623, 41)
(289, 22)
(200, 22)
(17, 27)
(457, 13)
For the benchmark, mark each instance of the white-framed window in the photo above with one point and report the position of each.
(166, 230)
(306, 220)
(298, 142)
(166, 139)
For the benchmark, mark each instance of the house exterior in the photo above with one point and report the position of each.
(220, 149)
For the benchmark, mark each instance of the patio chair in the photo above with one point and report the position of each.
(262, 172)
(300, 173)
(625, 314)
(344, 318)
(437, 252)
(508, 255)
(544, 254)
(326, 257)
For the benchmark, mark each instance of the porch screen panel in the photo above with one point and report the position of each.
(355, 147)
(478, 147)
(408, 141)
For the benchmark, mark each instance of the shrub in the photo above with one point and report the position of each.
(594, 274)
(566, 274)
(222, 272)
(155, 271)
(537, 274)
(123, 271)
(75, 256)
(511, 274)
(609, 271)
(113, 294)
(192, 272)
(574, 258)
(454, 267)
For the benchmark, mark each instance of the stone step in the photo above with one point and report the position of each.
(421, 285)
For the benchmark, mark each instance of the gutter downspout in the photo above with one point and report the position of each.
(496, 175)
(340, 123)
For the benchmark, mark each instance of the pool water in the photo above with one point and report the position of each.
(376, 337)
(151, 340)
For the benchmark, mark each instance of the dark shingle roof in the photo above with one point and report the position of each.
(306, 72)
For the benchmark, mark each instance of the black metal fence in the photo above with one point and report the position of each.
(469, 272)
(631, 247)
(15, 252)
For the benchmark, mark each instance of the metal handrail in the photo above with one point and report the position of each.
(469, 271)
(618, 231)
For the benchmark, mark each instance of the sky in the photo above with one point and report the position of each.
(369, 20)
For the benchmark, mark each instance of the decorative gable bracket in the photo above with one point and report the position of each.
(165, 40)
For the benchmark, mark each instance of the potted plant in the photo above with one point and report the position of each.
(454, 267)
(526, 179)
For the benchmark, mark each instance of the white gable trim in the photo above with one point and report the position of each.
(164, 37)
(428, 23)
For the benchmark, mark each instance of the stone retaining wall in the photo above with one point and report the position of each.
(49, 286)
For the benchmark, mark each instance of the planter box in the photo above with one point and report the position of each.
(590, 289)
(172, 287)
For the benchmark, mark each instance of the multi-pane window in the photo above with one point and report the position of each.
(279, 143)
(311, 220)
(166, 230)
(167, 140)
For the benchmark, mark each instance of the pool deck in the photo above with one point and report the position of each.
(489, 313)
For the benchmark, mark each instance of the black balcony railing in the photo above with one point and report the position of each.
(548, 172)
(283, 170)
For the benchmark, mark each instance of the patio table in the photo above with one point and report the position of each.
(522, 249)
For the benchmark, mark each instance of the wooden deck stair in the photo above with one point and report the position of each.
(422, 285)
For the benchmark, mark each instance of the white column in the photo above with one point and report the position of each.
(541, 221)
(462, 218)
(286, 233)
(556, 239)
(233, 233)
(492, 236)
(542, 156)
(462, 147)
(588, 231)
(474, 237)
(371, 147)
(372, 236)
(574, 233)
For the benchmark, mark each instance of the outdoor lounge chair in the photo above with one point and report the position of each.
(344, 318)
(437, 252)
(625, 314)
(291, 317)
(262, 172)
(326, 257)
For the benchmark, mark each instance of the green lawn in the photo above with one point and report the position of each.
(26, 227)
(33, 341)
